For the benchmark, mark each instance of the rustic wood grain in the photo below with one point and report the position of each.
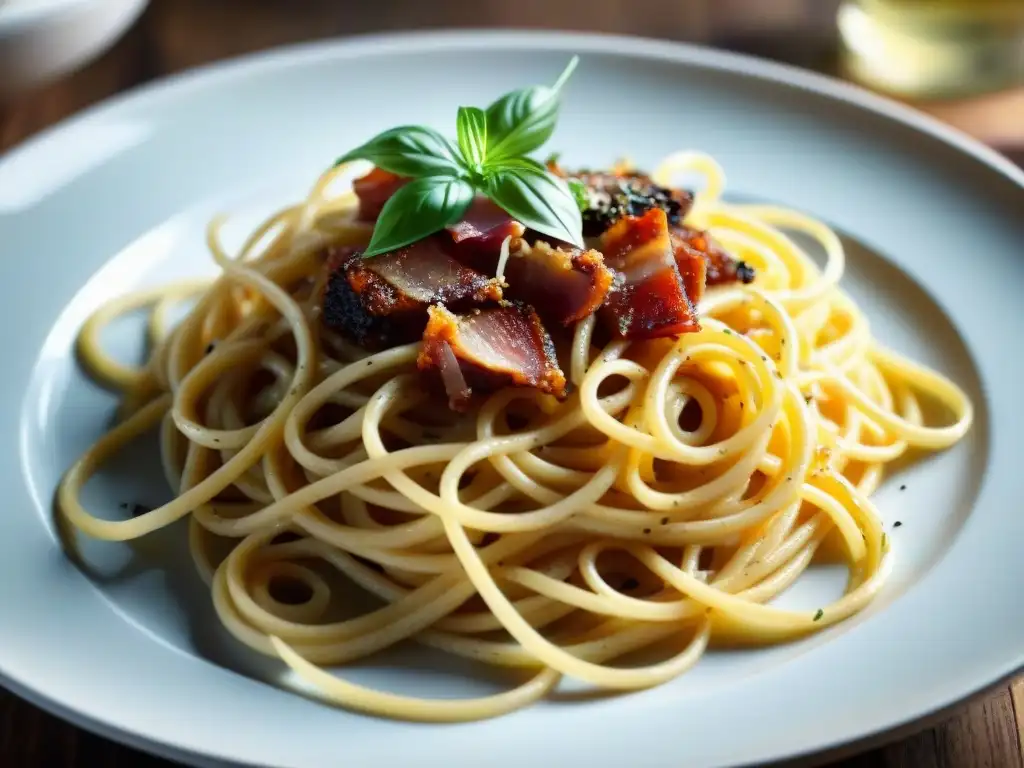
(1017, 700)
(173, 35)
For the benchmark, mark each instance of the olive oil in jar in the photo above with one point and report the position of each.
(933, 48)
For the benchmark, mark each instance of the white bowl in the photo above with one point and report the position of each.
(43, 39)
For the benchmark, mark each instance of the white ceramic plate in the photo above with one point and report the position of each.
(43, 39)
(119, 197)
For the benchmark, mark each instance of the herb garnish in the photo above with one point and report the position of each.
(580, 194)
(490, 158)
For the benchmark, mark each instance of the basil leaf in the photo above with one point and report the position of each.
(523, 120)
(420, 208)
(515, 164)
(538, 199)
(409, 150)
(472, 129)
(580, 193)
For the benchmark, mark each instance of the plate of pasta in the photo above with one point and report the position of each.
(484, 398)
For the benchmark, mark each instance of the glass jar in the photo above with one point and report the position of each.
(933, 48)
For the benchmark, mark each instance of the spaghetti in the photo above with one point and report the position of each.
(682, 485)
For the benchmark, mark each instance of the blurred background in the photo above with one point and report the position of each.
(962, 60)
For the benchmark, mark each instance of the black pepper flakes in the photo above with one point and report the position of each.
(664, 521)
(897, 524)
(611, 197)
(745, 272)
(903, 487)
(819, 614)
(134, 509)
(647, 531)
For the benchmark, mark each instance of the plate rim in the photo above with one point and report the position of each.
(215, 73)
(32, 13)
(745, 64)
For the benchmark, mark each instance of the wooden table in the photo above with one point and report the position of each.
(177, 34)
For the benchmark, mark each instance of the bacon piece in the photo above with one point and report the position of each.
(649, 300)
(418, 275)
(342, 308)
(563, 283)
(383, 300)
(374, 189)
(487, 349)
(482, 230)
(693, 268)
(721, 267)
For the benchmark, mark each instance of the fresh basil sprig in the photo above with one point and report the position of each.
(471, 125)
(490, 158)
(409, 150)
(537, 198)
(521, 121)
(580, 193)
(434, 202)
